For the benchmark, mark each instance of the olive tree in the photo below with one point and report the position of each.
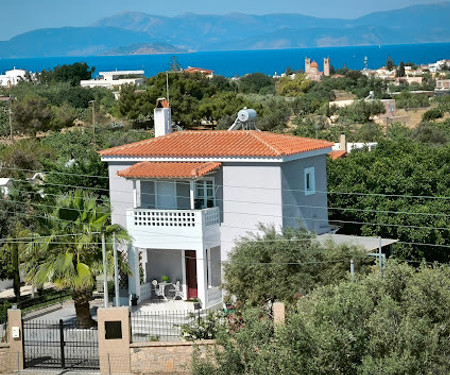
(281, 265)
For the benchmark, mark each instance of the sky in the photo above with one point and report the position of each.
(18, 16)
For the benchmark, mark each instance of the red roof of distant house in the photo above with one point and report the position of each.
(336, 154)
(198, 70)
(149, 169)
(219, 143)
(337, 76)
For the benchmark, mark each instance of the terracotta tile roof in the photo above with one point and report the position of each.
(219, 143)
(149, 169)
(198, 70)
(336, 154)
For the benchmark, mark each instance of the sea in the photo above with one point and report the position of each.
(238, 63)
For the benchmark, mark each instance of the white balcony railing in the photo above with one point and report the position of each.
(173, 229)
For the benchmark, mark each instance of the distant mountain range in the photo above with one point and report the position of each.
(139, 33)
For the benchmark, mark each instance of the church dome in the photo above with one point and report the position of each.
(314, 65)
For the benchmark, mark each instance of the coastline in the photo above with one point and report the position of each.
(240, 62)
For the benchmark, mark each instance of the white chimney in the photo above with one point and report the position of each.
(162, 117)
(343, 142)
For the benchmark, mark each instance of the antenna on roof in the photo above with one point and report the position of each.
(246, 120)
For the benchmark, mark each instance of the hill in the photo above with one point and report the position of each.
(136, 33)
(70, 41)
(144, 49)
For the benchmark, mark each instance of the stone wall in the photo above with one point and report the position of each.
(173, 358)
(5, 358)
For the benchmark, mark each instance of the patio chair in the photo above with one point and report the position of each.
(173, 291)
(159, 289)
(178, 292)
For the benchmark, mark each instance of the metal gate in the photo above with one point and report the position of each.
(59, 344)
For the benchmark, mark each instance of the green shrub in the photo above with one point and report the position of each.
(432, 114)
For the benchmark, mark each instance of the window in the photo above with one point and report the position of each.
(204, 194)
(310, 181)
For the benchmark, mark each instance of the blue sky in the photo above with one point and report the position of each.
(19, 16)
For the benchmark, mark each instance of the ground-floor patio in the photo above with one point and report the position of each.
(174, 279)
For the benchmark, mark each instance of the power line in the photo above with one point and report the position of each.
(234, 186)
(246, 228)
(331, 208)
(259, 203)
(253, 228)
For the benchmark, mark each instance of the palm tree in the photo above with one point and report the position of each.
(69, 254)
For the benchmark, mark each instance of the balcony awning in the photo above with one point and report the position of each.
(149, 169)
(367, 243)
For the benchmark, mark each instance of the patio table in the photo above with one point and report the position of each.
(166, 290)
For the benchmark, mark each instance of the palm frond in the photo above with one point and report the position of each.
(84, 279)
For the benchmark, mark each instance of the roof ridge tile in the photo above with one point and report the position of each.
(267, 144)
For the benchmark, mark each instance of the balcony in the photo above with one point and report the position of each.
(174, 229)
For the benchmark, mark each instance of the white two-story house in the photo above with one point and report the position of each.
(185, 197)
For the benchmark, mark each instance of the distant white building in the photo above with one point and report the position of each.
(437, 66)
(12, 77)
(442, 85)
(342, 148)
(5, 186)
(115, 79)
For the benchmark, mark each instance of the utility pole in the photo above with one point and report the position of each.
(105, 272)
(11, 120)
(167, 86)
(93, 120)
(116, 270)
(380, 255)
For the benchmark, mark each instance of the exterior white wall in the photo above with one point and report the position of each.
(214, 267)
(110, 80)
(12, 77)
(164, 263)
(92, 83)
(120, 193)
(247, 194)
(251, 195)
(299, 209)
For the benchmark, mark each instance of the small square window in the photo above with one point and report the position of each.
(113, 330)
(310, 181)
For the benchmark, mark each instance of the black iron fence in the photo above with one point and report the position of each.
(165, 325)
(29, 304)
(59, 344)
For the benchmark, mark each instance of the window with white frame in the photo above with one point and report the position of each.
(310, 181)
(204, 194)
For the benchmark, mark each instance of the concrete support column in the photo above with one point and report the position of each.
(201, 275)
(192, 194)
(15, 343)
(183, 272)
(134, 284)
(114, 340)
(135, 195)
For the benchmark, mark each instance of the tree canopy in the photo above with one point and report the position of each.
(397, 323)
(397, 191)
(280, 266)
(72, 74)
